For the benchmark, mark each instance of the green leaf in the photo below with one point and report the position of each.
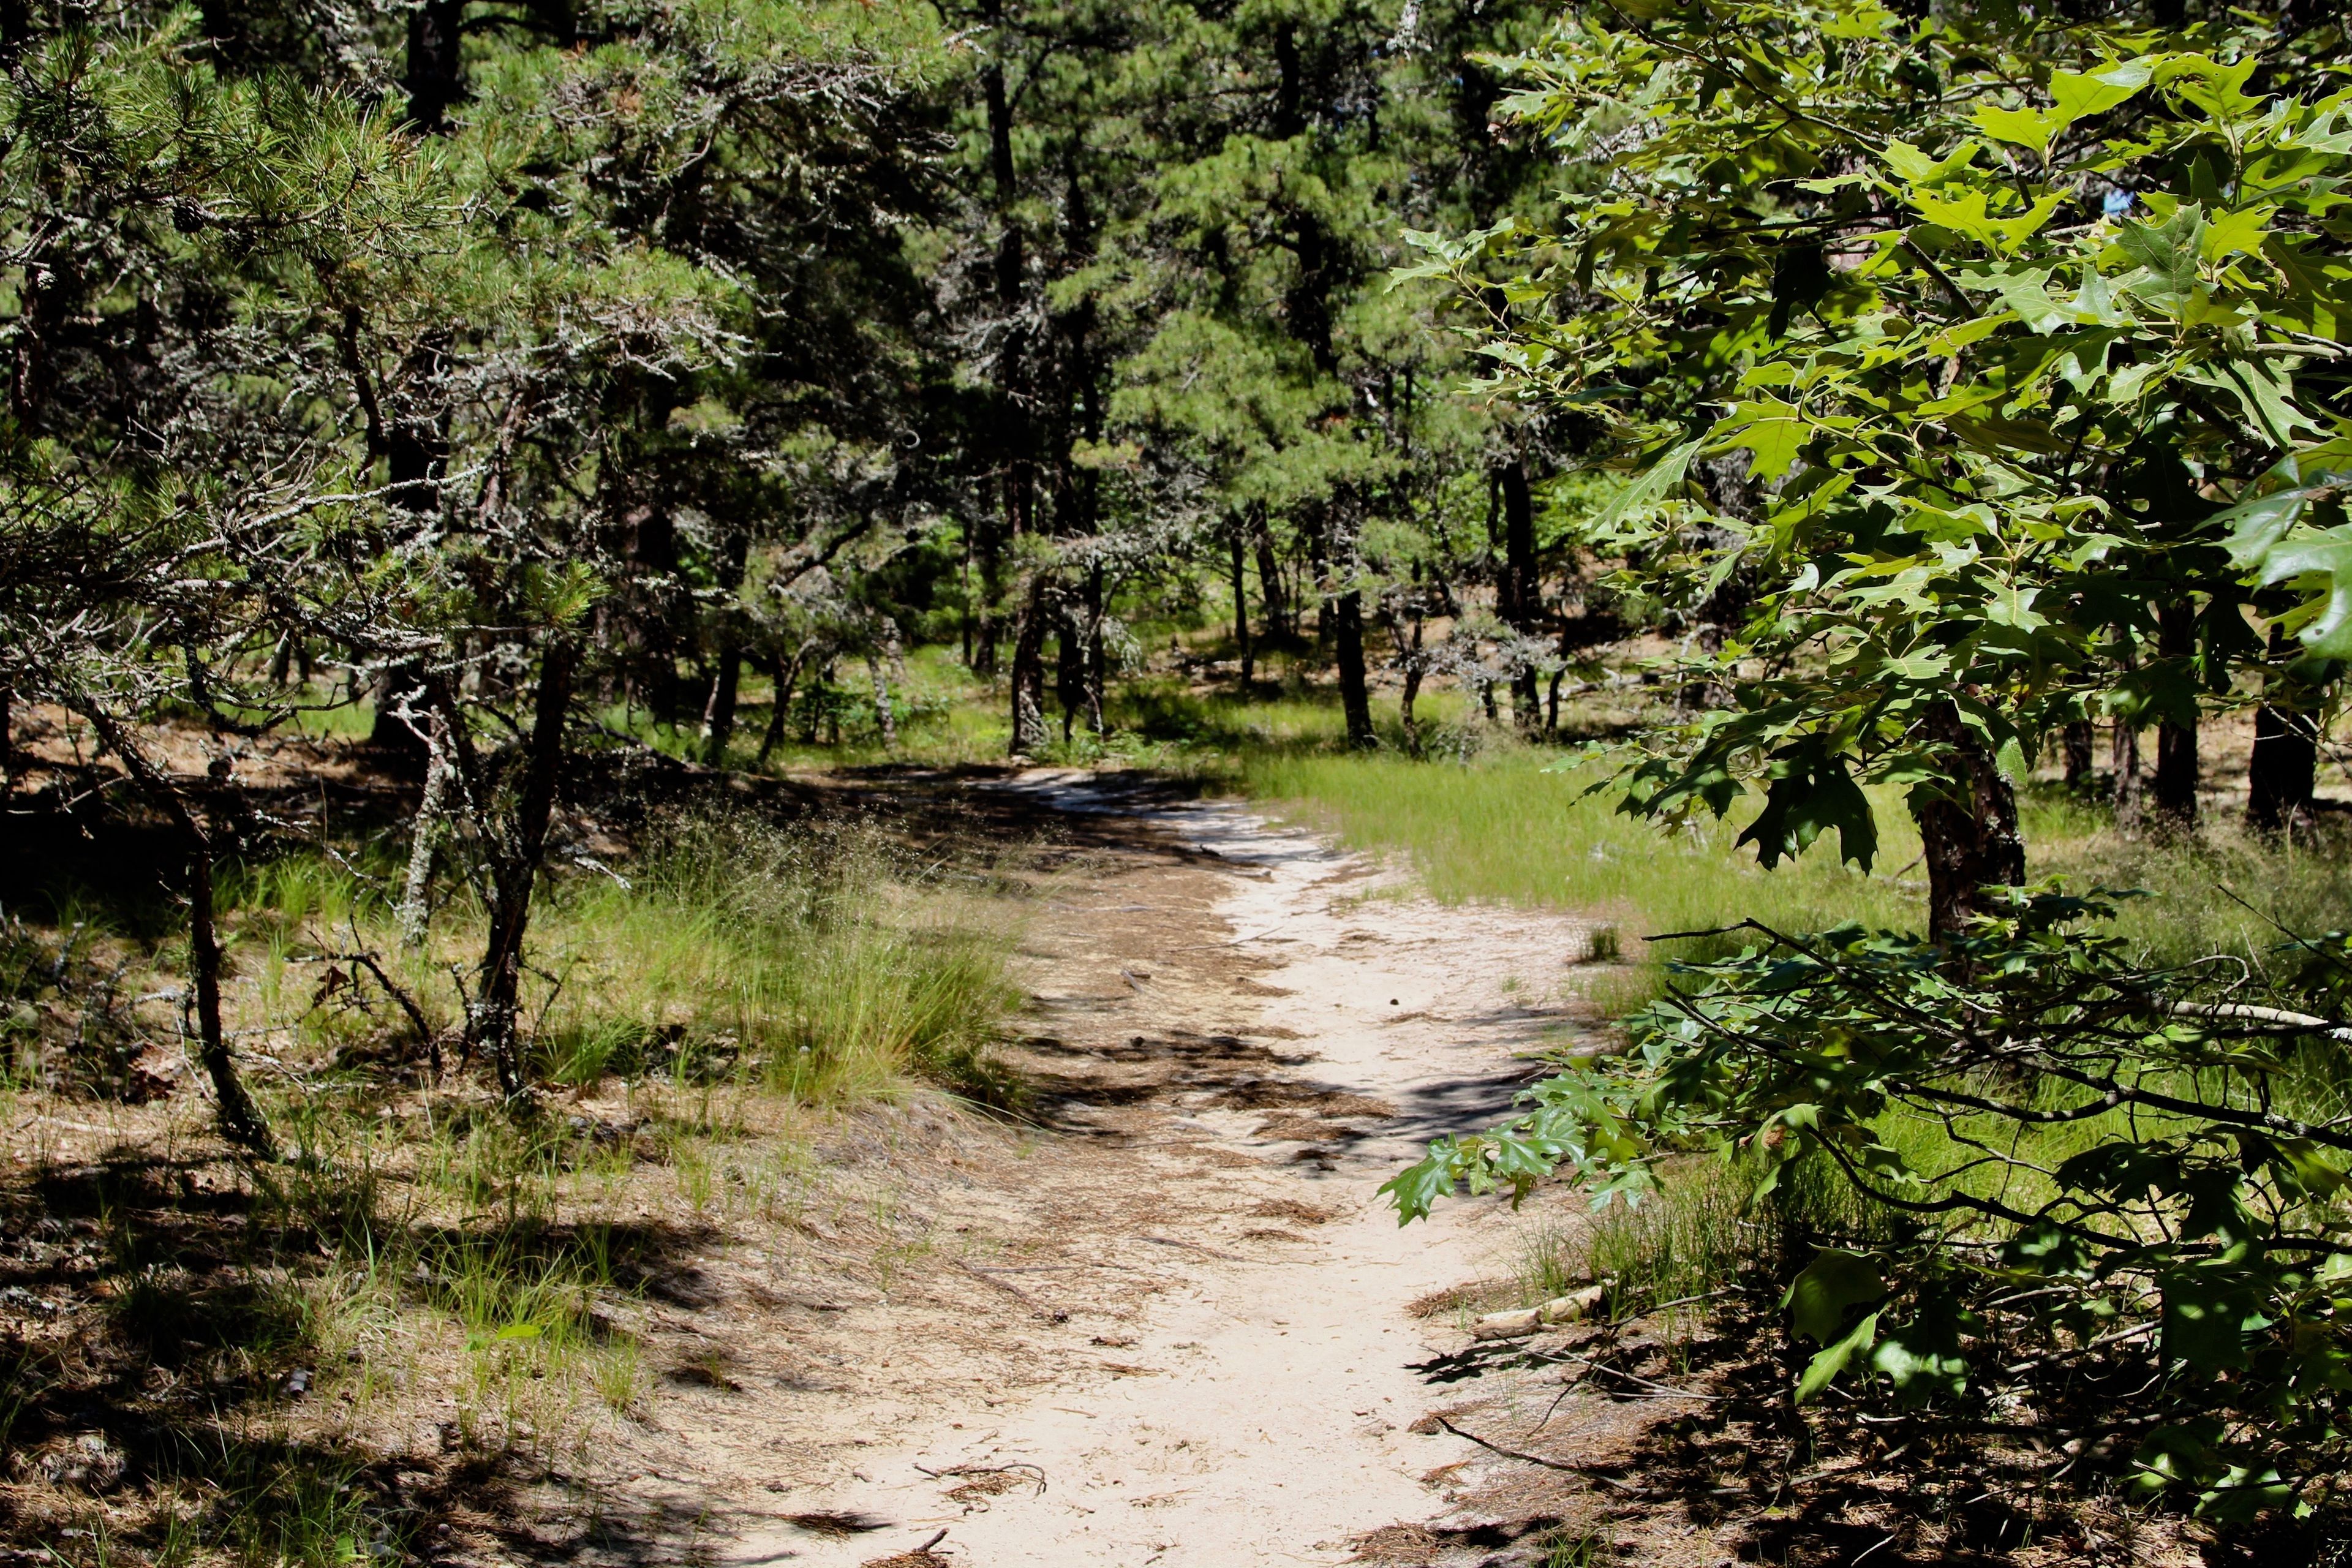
(2081, 94)
(1653, 486)
(1831, 1361)
(2212, 1314)
(1770, 429)
(1918, 169)
(1834, 1280)
(1808, 794)
(2025, 127)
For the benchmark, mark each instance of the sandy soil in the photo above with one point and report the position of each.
(1184, 1338)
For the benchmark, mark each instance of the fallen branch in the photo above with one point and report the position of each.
(1629, 1377)
(1584, 1471)
(1051, 1314)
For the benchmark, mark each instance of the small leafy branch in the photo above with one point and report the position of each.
(2081, 1169)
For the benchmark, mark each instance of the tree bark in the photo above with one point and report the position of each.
(1968, 834)
(783, 676)
(1276, 615)
(1241, 606)
(2124, 750)
(1519, 596)
(1409, 658)
(436, 78)
(2075, 743)
(2173, 790)
(719, 712)
(241, 1121)
(1028, 674)
(2282, 773)
(726, 681)
(415, 899)
(493, 1026)
(1355, 695)
(7, 738)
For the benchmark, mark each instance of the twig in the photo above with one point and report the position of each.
(1171, 1241)
(1051, 1314)
(1583, 1470)
(1613, 1371)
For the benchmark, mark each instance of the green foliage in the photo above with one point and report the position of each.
(1956, 338)
(2083, 1161)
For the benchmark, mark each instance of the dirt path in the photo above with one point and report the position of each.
(1175, 1324)
(1244, 1040)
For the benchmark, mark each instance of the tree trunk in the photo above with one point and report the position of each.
(7, 738)
(1241, 606)
(494, 1026)
(1967, 835)
(1519, 596)
(1028, 673)
(782, 678)
(2173, 790)
(1276, 614)
(435, 75)
(1069, 670)
(886, 718)
(719, 711)
(2075, 742)
(415, 900)
(1355, 696)
(2282, 773)
(241, 1121)
(1410, 660)
(2123, 749)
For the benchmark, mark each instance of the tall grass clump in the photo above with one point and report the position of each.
(814, 962)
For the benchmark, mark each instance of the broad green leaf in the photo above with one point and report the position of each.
(1834, 1280)
(2025, 295)
(1832, 1360)
(1968, 214)
(1770, 429)
(1653, 486)
(2081, 94)
(1918, 169)
(2025, 127)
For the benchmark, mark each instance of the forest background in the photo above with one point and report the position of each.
(1865, 424)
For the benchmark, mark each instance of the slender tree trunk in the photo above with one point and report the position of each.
(494, 1025)
(1411, 661)
(7, 738)
(2173, 790)
(1069, 670)
(1241, 606)
(2281, 775)
(1097, 658)
(1028, 680)
(2075, 742)
(2124, 750)
(415, 900)
(719, 711)
(1355, 694)
(1276, 614)
(241, 1121)
(1967, 835)
(783, 676)
(1519, 595)
(886, 718)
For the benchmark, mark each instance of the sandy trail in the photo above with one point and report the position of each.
(1257, 1408)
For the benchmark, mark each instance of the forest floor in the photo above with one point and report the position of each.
(1172, 1322)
